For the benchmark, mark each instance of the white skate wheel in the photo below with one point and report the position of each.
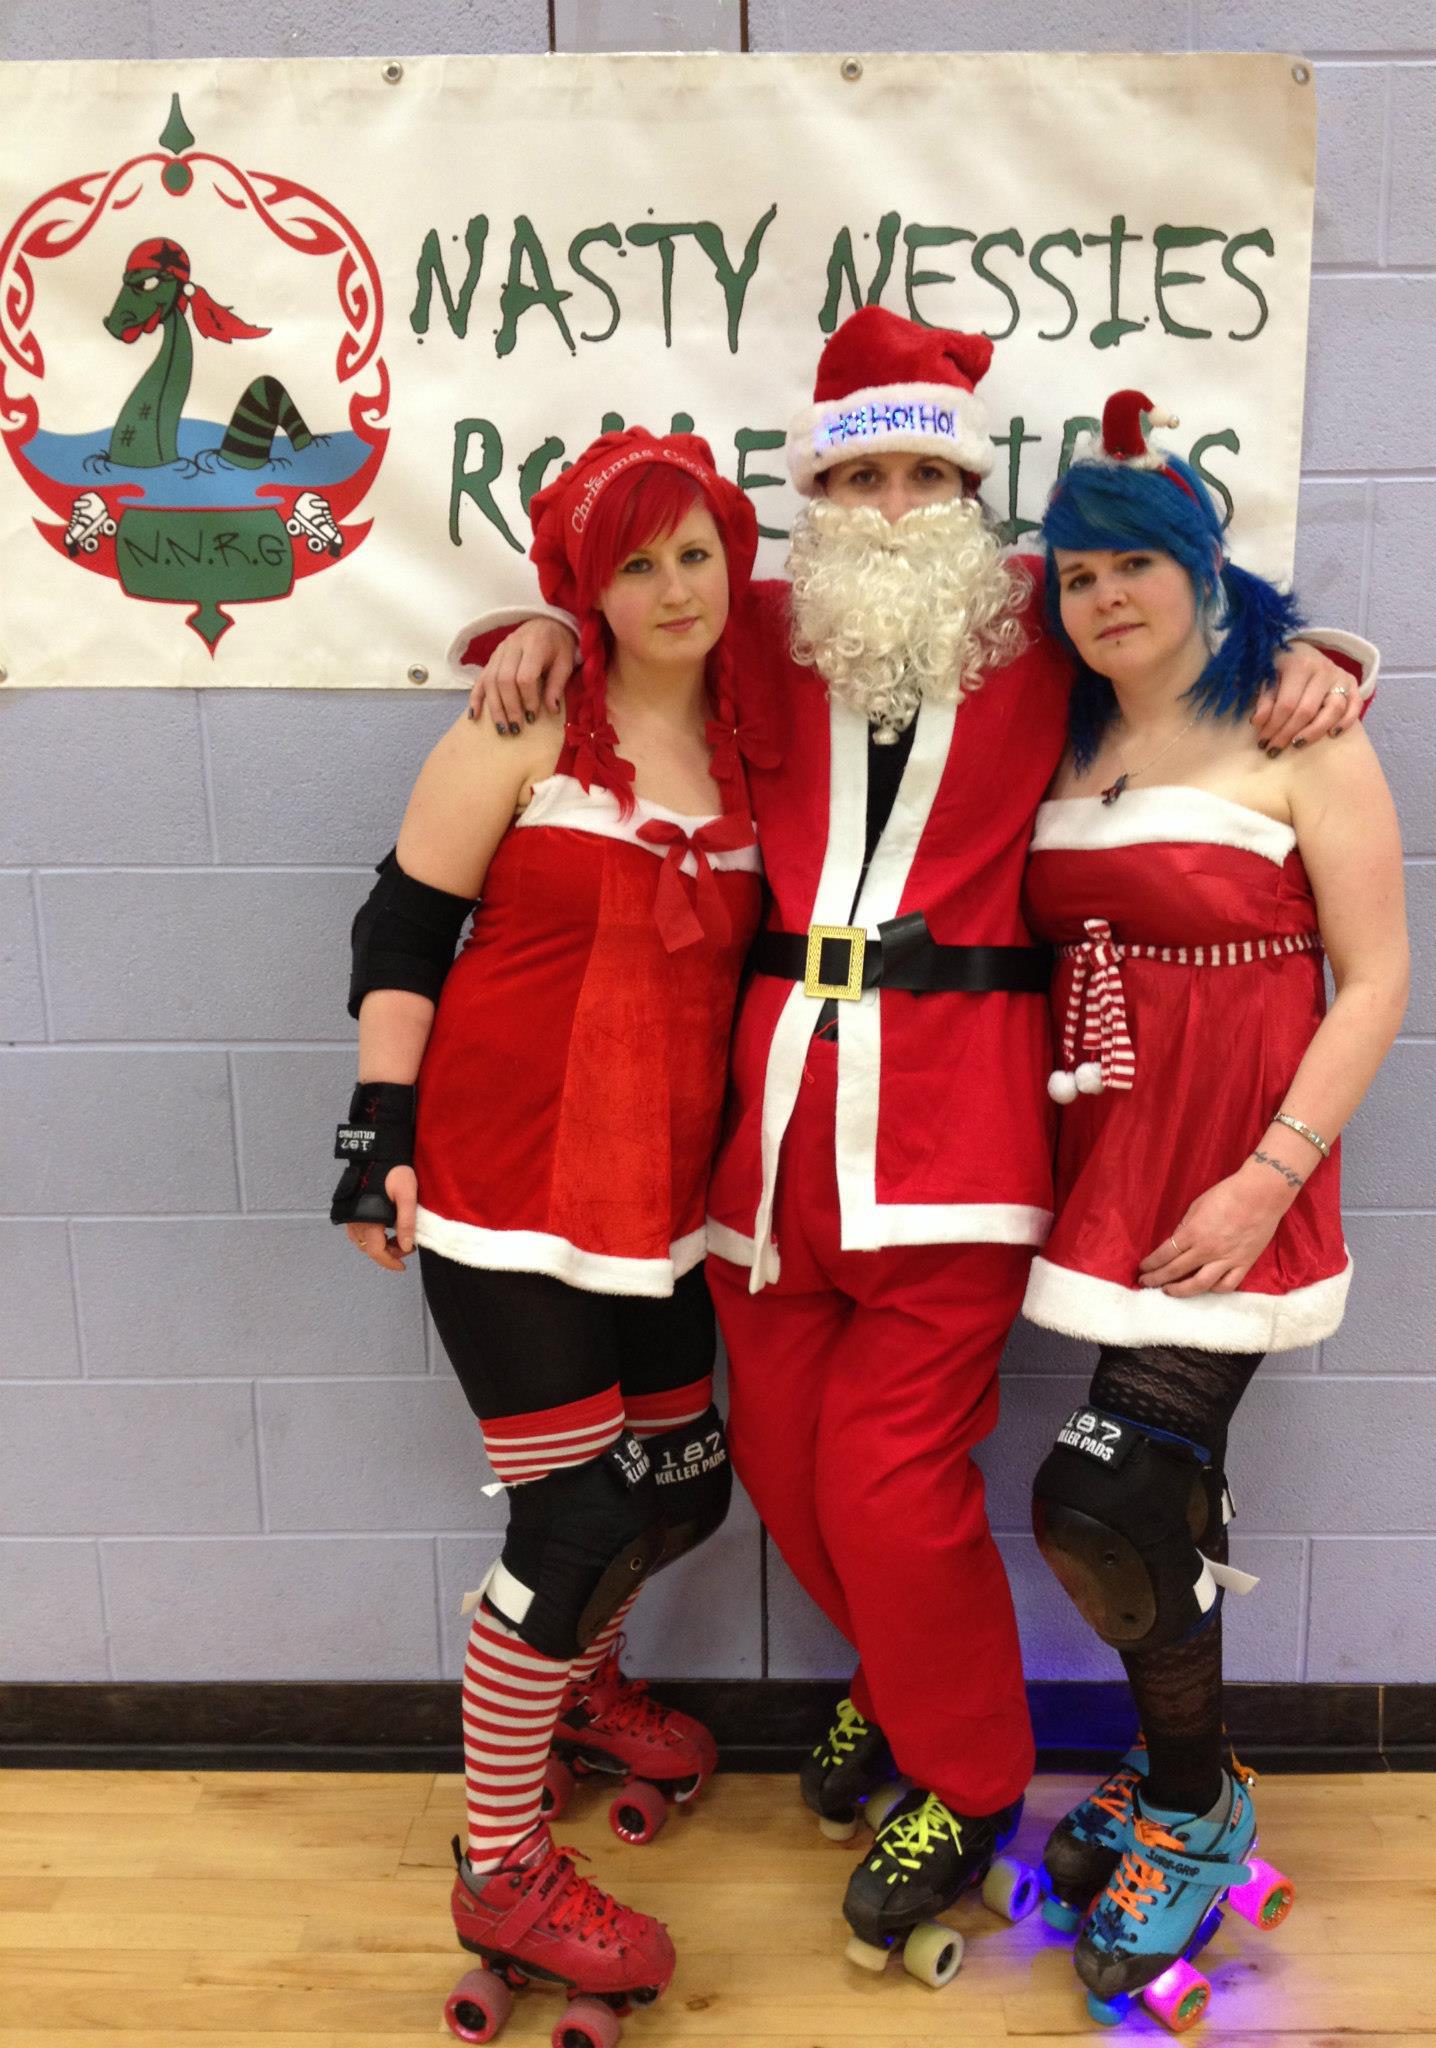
(865, 1955)
(933, 1954)
(1010, 1889)
(878, 1805)
(837, 1830)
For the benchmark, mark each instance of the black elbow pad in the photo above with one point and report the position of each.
(404, 935)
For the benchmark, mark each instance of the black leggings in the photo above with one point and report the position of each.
(1178, 1690)
(522, 1342)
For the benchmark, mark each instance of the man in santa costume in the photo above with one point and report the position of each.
(885, 1170)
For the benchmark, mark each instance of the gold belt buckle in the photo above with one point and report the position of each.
(848, 991)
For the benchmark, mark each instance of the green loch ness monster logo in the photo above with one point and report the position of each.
(173, 507)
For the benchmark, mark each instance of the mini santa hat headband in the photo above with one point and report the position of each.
(1127, 419)
(885, 385)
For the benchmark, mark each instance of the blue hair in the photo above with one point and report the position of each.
(1101, 505)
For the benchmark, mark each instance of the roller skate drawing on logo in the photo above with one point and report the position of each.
(1172, 1883)
(535, 1921)
(611, 1728)
(170, 506)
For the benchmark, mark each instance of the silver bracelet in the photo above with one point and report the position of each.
(1303, 1131)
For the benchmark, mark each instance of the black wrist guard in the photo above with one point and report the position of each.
(378, 1135)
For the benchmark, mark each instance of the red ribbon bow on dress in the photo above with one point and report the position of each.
(1096, 1016)
(682, 920)
(596, 755)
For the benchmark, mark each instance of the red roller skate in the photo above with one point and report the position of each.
(610, 1726)
(536, 1921)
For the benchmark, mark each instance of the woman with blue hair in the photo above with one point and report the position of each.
(1192, 884)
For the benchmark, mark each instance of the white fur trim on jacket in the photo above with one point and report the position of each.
(491, 622)
(539, 1251)
(908, 419)
(1353, 646)
(1081, 1305)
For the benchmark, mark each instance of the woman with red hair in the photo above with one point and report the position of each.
(553, 1171)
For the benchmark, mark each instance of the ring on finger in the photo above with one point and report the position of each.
(1175, 1246)
(1339, 690)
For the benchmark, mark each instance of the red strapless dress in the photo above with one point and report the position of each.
(570, 1094)
(1191, 972)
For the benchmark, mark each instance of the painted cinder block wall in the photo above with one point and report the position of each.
(230, 1450)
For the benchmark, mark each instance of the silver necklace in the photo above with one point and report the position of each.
(1114, 789)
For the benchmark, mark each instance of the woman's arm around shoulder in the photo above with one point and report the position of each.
(1350, 844)
(466, 797)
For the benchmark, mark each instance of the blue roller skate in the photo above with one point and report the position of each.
(1165, 1902)
(1086, 1845)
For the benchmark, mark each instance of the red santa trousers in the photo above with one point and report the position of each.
(859, 1384)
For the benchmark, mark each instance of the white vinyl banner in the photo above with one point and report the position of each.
(285, 349)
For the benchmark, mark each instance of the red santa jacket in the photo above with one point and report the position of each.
(943, 1123)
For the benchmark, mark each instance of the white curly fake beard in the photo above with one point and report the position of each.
(890, 613)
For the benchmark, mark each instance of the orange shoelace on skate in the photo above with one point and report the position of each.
(1117, 1799)
(1139, 1883)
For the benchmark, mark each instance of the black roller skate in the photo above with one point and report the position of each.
(852, 1761)
(1087, 1844)
(923, 1860)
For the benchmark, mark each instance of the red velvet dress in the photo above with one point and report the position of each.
(1191, 971)
(570, 1094)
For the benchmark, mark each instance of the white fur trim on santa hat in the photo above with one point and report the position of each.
(901, 419)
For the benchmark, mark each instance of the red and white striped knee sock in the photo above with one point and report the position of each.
(512, 1692)
(646, 1415)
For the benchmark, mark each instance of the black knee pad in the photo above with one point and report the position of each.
(694, 1481)
(579, 1542)
(1118, 1512)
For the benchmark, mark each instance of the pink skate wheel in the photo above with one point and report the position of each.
(1178, 1998)
(1265, 1899)
(477, 2006)
(588, 2023)
(557, 1788)
(638, 1812)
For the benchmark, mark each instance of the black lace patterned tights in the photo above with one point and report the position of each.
(1178, 1689)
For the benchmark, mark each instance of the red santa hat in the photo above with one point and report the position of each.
(887, 385)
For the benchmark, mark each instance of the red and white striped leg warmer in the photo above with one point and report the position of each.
(511, 1692)
(647, 1415)
(511, 1702)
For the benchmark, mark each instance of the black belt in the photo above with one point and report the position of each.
(838, 962)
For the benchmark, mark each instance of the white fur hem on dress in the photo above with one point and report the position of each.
(537, 1251)
(1080, 1305)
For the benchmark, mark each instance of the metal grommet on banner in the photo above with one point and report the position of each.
(852, 69)
(393, 73)
(418, 674)
(1301, 73)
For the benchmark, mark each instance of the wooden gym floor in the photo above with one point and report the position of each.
(247, 1910)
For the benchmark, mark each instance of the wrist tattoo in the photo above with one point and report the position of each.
(1288, 1174)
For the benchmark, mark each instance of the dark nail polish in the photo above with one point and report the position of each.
(1298, 743)
(528, 718)
(1274, 753)
(473, 714)
(515, 730)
